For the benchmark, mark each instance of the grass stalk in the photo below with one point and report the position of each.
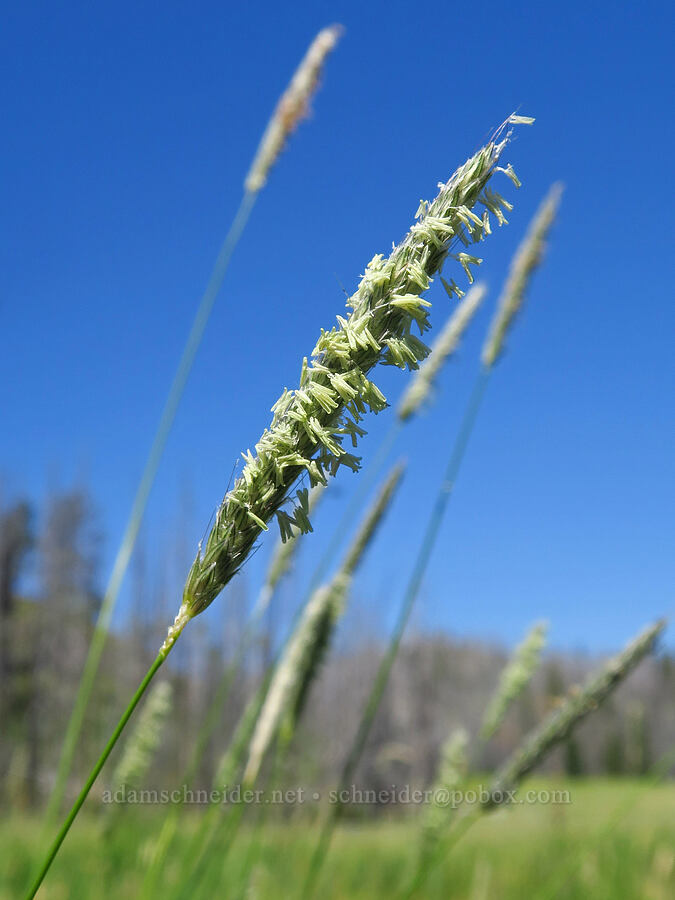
(295, 675)
(282, 558)
(307, 646)
(382, 677)
(140, 502)
(291, 678)
(144, 739)
(93, 775)
(220, 823)
(527, 258)
(292, 106)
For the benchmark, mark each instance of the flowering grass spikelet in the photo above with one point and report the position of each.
(443, 348)
(526, 260)
(515, 677)
(304, 436)
(293, 106)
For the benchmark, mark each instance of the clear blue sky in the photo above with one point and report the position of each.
(128, 128)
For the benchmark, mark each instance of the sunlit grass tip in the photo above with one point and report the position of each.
(311, 422)
(293, 105)
(515, 677)
(528, 256)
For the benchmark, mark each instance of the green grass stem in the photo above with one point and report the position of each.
(100, 635)
(412, 590)
(82, 796)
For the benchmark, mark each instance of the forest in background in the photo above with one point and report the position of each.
(49, 597)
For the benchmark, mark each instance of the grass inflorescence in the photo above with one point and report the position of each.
(311, 422)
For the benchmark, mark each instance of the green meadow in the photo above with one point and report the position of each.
(615, 838)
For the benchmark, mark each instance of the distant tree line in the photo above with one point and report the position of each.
(49, 596)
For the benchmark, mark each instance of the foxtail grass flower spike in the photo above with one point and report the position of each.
(311, 423)
(442, 349)
(515, 677)
(579, 703)
(144, 740)
(526, 260)
(308, 644)
(292, 107)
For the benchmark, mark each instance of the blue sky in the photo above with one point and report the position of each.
(128, 131)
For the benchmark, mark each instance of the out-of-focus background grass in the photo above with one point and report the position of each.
(614, 839)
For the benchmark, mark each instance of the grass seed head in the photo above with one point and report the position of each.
(293, 105)
(527, 258)
(311, 423)
(515, 677)
(371, 521)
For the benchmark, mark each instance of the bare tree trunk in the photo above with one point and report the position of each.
(15, 541)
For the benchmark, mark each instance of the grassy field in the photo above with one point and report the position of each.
(615, 839)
